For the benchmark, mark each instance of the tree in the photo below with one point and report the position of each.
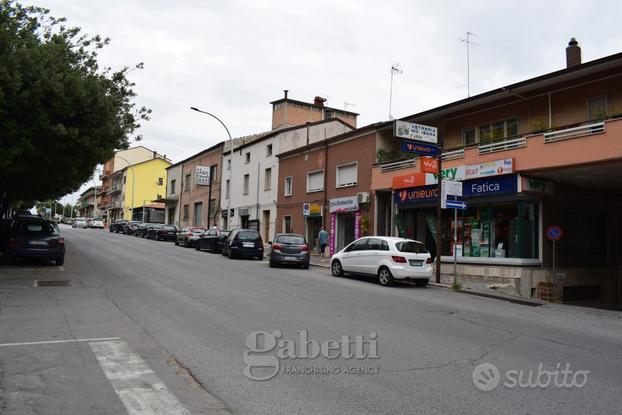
(60, 113)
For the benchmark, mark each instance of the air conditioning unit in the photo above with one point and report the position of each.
(362, 197)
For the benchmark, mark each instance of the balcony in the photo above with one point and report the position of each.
(113, 189)
(576, 132)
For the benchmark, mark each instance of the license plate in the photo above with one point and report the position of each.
(290, 258)
(416, 262)
(248, 245)
(38, 243)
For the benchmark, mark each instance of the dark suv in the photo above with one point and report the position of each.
(243, 243)
(212, 240)
(117, 225)
(34, 237)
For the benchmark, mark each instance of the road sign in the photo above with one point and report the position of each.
(449, 187)
(456, 204)
(554, 233)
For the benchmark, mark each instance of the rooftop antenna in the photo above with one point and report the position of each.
(347, 104)
(394, 70)
(468, 43)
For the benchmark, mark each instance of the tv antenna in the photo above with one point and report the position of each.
(347, 104)
(468, 43)
(395, 70)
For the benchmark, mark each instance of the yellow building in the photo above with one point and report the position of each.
(142, 183)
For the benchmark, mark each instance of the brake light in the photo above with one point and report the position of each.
(305, 248)
(429, 260)
(61, 241)
(398, 259)
(277, 247)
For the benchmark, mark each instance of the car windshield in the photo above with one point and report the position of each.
(247, 235)
(38, 228)
(411, 247)
(290, 240)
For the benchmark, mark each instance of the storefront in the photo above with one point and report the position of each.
(345, 222)
(312, 213)
(500, 225)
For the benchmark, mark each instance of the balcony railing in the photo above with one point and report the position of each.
(113, 189)
(568, 133)
(397, 165)
(503, 145)
(453, 154)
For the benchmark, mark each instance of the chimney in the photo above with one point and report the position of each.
(319, 102)
(573, 53)
(155, 154)
(286, 91)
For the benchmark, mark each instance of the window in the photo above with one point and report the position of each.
(212, 172)
(246, 183)
(268, 150)
(198, 213)
(498, 130)
(360, 245)
(160, 181)
(227, 189)
(288, 186)
(187, 183)
(315, 181)
(173, 183)
(247, 158)
(267, 179)
(212, 211)
(596, 108)
(346, 175)
(468, 136)
(186, 212)
(287, 224)
(124, 179)
(375, 244)
(228, 164)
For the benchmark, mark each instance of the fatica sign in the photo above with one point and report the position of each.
(417, 132)
(490, 185)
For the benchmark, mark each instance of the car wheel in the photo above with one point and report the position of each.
(157, 237)
(60, 261)
(336, 269)
(305, 266)
(271, 264)
(176, 242)
(384, 276)
(421, 283)
(231, 255)
(186, 243)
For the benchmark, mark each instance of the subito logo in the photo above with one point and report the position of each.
(486, 377)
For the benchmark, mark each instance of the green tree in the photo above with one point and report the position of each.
(60, 113)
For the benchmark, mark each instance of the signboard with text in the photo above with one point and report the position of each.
(418, 194)
(422, 149)
(343, 204)
(490, 168)
(418, 132)
(490, 185)
(429, 165)
(409, 180)
(201, 177)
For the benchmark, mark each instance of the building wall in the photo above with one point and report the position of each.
(200, 194)
(133, 155)
(287, 114)
(147, 187)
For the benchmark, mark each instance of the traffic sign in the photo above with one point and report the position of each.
(456, 204)
(554, 233)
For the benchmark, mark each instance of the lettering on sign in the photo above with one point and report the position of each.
(429, 165)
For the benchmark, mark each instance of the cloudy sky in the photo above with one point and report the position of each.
(233, 57)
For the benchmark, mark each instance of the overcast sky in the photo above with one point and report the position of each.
(232, 58)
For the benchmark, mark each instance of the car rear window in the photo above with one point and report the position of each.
(290, 240)
(39, 228)
(247, 235)
(168, 228)
(411, 247)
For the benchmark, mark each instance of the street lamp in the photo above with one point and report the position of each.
(133, 181)
(228, 188)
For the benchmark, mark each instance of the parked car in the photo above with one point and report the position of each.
(79, 223)
(289, 249)
(97, 223)
(117, 225)
(243, 243)
(130, 227)
(160, 232)
(141, 231)
(34, 237)
(212, 240)
(188, 236)
(388, 258)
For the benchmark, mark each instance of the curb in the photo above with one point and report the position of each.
(516, 300)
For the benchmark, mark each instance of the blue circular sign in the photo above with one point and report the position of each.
(554, 233)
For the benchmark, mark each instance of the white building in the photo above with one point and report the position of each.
(250, 177)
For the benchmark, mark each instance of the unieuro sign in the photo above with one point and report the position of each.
(418, 132)
(423, 149)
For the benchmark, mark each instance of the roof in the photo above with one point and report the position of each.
(542, 81)
(89, 190)
(310, 104)
(337, 138)
(143, 162)
(200, 153)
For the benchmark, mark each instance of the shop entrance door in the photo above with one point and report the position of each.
(314, 224)
(345, 230)
(266, 225)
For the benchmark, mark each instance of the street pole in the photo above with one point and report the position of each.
(455, 245)
(209, 199)
(439, 214)
(230, 162)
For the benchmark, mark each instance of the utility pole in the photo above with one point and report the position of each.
(209, 199)
(394, 70)
(439, 213)
(468, 42)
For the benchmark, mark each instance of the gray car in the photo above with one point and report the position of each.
(289, 249)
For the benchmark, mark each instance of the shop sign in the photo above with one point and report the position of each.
(415, 147)
(201, 177)
(311, 209)
(343, 204)
(333, 228)
(429, 165)
(490, 168)
(357, 225)
(409, 180)
(531, 185)
(244, 212)
(490, 186)
(455, 174)
(418, 132)
(417, 194)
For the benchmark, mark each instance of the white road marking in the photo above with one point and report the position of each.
(138, 387)
(58, 341)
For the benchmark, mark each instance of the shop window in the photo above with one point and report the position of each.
(315, 181)
(347, 175)
(288, 186)
(596, 108)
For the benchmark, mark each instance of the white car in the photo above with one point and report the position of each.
(79, 223)
(97, 223)
(388, 258)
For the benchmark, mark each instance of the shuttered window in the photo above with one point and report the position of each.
(346, 175)
(315, 181)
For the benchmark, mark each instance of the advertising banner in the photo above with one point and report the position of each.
(418, 132)
(490, 168)
(409, 180)
(417, 194)
(343, 204)
(201, 177)
(415, 147)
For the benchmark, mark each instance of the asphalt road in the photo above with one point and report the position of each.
(146, 325)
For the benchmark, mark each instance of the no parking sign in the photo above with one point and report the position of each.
(554, 233)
